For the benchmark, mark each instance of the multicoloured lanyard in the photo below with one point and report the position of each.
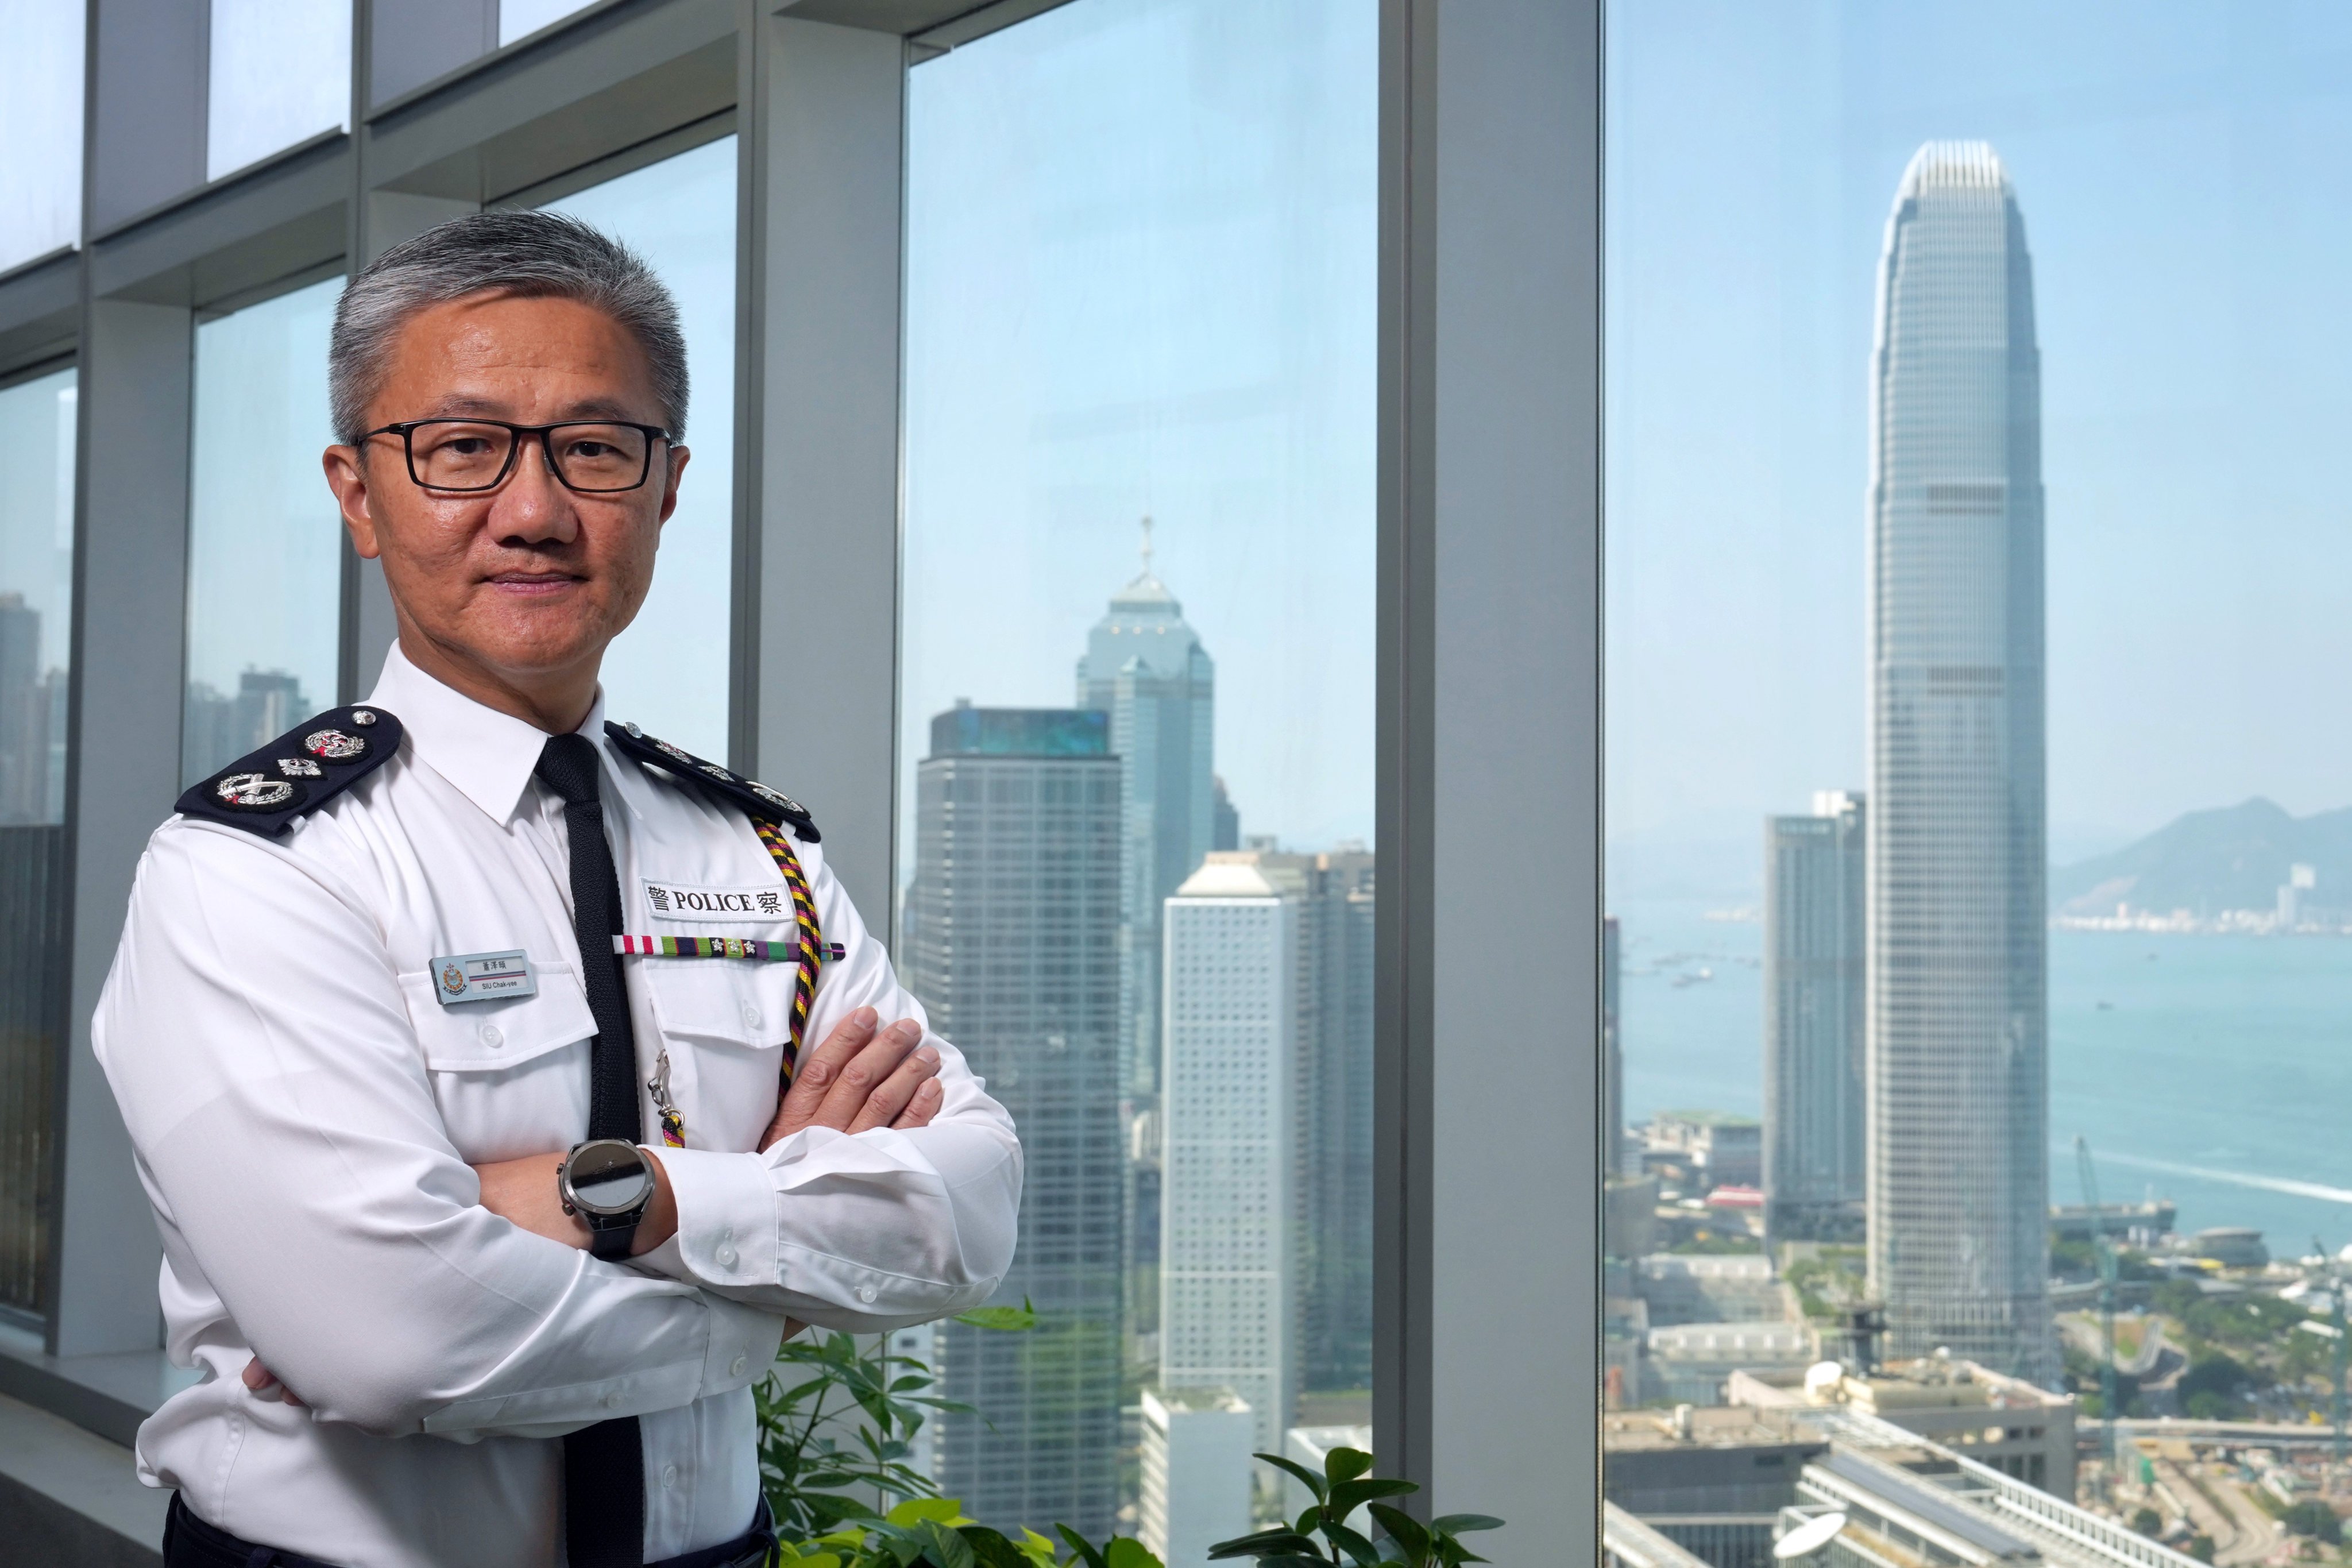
(808, 949)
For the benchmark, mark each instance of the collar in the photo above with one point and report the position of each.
(486, 754)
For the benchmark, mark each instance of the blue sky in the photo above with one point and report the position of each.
(2184, 172)
(1140, 279)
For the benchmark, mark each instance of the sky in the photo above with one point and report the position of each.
(1140, 280)
(2183, 171)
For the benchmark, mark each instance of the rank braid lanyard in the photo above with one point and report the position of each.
(808, 950)
(812, 937)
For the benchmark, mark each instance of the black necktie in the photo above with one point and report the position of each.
(603, 1465)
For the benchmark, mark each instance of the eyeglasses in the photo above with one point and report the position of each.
(595, 457)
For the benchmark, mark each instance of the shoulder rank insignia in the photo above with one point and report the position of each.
(751, 795)
(300, 772)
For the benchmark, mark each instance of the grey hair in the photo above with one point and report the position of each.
(537, 255)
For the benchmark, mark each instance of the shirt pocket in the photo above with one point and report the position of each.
(509, 1075)
(504, 1032)
(731, 1018)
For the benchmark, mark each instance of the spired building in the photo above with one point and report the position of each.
(1012, 940)
(1145, 668)
(1958, 1077)
(1813, 963)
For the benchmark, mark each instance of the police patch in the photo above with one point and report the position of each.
(676, 901)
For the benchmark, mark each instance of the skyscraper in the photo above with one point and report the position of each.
(1814, 1153)
(1145, 668)
(1239, 992)
(1335, 1202)
(1958, 1081)
(24, 715)
(1011, 929)
(1612, 1054)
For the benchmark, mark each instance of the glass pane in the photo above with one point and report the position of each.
(520, 18)
(40, 124)
(281, 73)
(1138, 699)
(265, 541)
(36, 533)
(679, 215)
(1976, 779)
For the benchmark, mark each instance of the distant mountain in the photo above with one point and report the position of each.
(2234, 857)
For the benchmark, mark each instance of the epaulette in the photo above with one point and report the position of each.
(767, 804)
(300, 772)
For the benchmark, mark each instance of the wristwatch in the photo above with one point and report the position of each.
(606, 1182)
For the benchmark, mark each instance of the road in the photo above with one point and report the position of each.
(2206, 1520)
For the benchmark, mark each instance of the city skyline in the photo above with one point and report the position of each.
(2189, 298)
(1955, 977)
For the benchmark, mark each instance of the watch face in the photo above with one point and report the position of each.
(608, 1177)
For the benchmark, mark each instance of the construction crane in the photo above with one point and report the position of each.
(2335, 1320)
(2106, 1250)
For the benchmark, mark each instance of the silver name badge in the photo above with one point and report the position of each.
(483, 977)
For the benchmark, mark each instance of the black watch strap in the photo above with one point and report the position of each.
(610, 1240)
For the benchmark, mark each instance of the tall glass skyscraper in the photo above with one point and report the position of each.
(1813, 964)
(1144, 665)
(1011, 927)
(1957, 959)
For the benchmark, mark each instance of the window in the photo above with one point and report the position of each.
(265, 541)
(280, 73)
(40, 124)
(37, 534)
(679, 215)
(520, 18)
(1136, 695)
(1975, 777)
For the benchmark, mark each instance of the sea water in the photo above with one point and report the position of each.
(2213, 1070)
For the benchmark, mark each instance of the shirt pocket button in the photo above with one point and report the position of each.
(491, 1038)
(750, 1016)
(867, 1292)
(735, 1367)
(726, 1257)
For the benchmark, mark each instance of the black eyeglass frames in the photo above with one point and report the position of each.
(595, 457)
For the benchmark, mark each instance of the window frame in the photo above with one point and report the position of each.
(1488, 512)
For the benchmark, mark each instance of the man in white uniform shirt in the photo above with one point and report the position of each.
(452, 1028)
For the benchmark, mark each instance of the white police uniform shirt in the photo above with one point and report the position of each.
(305, 1111)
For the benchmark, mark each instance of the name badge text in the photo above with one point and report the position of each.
(483, 977)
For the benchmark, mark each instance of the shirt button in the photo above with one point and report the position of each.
(726, 1257)
(866, 1292)
(612, 1400)
(735, 1367)
(750, 1016)
(491, 1038)
(669, 1476)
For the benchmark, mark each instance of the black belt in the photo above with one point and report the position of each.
(190, 1542)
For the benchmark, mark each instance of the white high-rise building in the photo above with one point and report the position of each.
(1958, 1080)
(1236, 995)
(1196, 1473)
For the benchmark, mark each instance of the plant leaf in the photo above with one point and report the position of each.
(1002, 1320)
(945, 1510)
(1357, 1548)
(1346, 1464)
(1263, 1543)
(1461, 1523)
(1314, 1482)
(1080, 1544)
(1348, 1495)
(1125, 1552)
(944, 1546)
(1403, 1528)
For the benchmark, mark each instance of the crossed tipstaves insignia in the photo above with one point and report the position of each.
(299, 772)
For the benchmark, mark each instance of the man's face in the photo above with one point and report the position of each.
(529, 580)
